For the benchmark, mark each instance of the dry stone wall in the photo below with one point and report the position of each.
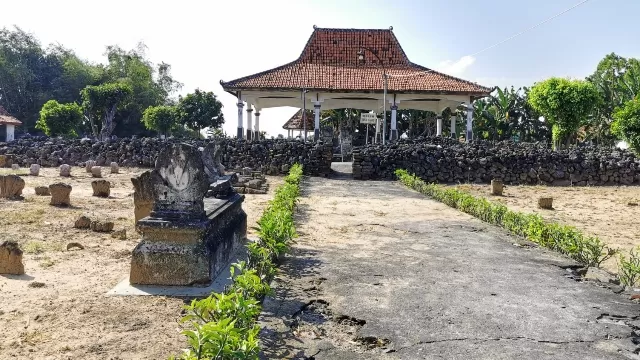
(271, 157)
(444, 160)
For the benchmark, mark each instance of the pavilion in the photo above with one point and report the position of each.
(7, 125)
(296, 123)
(352, 68)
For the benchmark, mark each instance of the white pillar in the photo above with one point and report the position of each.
(394, 124)
(249, 120)
(256, 135)
(240, 129)
(10, 131)
(469, 121)
(316, 131)
(453, 126)
(439, 125)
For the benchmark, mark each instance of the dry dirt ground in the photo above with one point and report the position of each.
(611, 213)
(59, 310)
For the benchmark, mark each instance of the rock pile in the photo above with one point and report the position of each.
(271, 157)
(250, 182)
(444, 160)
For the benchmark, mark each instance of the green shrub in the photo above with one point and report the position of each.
(568, 240)
(629, 269)
(223, 326)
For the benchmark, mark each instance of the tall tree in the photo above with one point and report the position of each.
(200, 110)
(627, 123)
(617, 79)
(60, 119)
(565, 104)
(100, 104)
(161, 118)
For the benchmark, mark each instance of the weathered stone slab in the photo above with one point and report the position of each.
(189, 251)
(143, 197)
(60, 194)
(101, 188)
(11, 186)
(11, 258)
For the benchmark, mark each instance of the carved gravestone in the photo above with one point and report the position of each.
(220, 184)
(101, 188)
(11, 187)
(60, 194)
(11, 258)
(183, 241)
(143, 196)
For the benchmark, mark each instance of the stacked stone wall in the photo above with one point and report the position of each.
(271, 157)
(444, 160)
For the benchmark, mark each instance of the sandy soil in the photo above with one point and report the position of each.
(607, 212)
(69, 316)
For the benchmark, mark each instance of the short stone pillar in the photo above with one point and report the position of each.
(34, 170)
(96, 171)
(496, 187)
(101, 188)
(115, 169)
(11, 187)
(65, 170)
(60, 194)
(186, 240)
(143, 197)
(89, 165)
(545, 203)
(15, 167)
(11, 259)
(5, 161)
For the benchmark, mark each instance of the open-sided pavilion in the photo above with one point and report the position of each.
(351, 68)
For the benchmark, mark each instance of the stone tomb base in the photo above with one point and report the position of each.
(187, 252)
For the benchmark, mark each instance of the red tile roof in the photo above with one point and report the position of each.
(330, 61)
(295, 123)
(6, 119)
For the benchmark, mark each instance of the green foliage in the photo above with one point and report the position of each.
(200, 110)
(565, 104)
(223, 326)
(59, 119)
(160, 118)
(587, 250)
(629, 269)
(100, 102)
(627, 123)
(617, 79)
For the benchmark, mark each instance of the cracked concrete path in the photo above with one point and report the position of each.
(382, 272)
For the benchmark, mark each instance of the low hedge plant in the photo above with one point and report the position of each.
(223, 325)
(587, 250)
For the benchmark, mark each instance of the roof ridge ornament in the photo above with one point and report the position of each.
(315, 27)
(390, 28)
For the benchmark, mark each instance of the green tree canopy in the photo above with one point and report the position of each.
(200, 110)
(100, 102)
(565, 104)
(60, 119)
(626, 123)
(160, 118)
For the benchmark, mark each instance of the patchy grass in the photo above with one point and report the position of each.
(34, 247)
(47, 262)
(19, 172)
(32, 216)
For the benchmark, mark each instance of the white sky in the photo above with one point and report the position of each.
(206, 41)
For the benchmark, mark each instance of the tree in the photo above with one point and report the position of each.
(160, 118)
(200, 110)
(617, 79)
(101, 102)
(626, 123)
(59, 119)
(565, 104)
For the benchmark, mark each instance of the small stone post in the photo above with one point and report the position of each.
(545, 203)
(34, 170)
(115, 169)
(96, 171)
(88, 165)
(11, 258)
(65, 170)
(496, 187)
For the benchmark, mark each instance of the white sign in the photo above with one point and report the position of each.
(368, 118)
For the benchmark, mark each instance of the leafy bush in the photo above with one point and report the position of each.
(223, 326)
(59, 119)
(629, 270)
(568, 240)
(626, 124)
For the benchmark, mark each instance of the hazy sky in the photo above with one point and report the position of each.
(206, 41)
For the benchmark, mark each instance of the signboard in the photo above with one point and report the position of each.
(368, 118)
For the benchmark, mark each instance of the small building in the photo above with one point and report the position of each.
(295, 123)
(363, 69)
(7, 126)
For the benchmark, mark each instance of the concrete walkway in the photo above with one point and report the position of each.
(381, 272)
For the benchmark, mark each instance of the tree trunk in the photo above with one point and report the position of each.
(107, 123)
